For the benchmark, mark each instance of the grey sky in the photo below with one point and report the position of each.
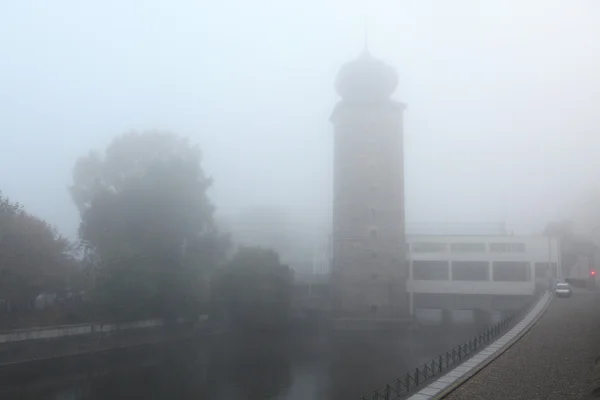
(501, 125)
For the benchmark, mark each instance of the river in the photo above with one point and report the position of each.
(300, 366)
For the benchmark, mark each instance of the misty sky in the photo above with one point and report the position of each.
(502, 97)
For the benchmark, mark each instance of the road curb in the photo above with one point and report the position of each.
(468, 375)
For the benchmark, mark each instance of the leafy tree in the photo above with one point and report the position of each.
(148, 223)
(34, 258)
(129, 155)
(254, 289)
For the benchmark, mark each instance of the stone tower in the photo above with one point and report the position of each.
(369, 268)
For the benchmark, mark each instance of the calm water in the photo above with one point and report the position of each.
(298, 367)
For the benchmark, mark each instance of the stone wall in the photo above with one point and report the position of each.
(23, 347)
(61, 331)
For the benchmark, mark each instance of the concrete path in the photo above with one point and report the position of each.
(554, 360)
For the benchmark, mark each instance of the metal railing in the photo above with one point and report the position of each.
(416, 378)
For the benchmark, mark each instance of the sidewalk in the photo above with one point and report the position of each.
(554, 360)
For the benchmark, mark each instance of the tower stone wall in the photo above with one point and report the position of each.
(369, 270)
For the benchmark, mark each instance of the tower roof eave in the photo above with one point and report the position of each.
(344, 105)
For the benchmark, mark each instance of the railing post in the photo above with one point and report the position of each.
(440, 366)
(399, 385)
(417, 377)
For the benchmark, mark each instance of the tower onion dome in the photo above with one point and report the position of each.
(366, 79)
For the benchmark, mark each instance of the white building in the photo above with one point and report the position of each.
(460, 274)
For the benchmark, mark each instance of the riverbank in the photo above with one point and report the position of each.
(45, 343)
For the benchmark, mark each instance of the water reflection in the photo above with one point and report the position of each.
(313, 365)
(251, 368)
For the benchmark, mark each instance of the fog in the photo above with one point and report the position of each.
(502, 98)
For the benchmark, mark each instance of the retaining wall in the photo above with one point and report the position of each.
(54, 332)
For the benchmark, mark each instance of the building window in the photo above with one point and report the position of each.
(509, 271)
(374, 309)
(507, 247)
(373, 232)
(429, 247)
(470, 271)
(373, 213)
(467, 247)
(430, 270)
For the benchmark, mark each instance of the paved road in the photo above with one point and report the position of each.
(553, 360)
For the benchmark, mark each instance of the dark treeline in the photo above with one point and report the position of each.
(148, 247)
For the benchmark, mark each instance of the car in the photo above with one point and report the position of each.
(563, 289)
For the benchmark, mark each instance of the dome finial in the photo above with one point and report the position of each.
(366, 79)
